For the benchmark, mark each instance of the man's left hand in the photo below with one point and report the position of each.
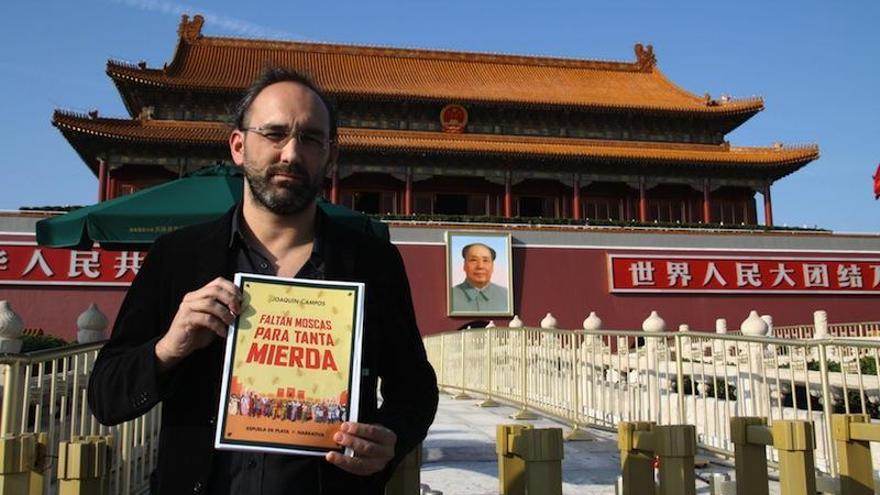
(373, 447)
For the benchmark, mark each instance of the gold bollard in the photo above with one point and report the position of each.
(39, 469)
(636, 461)
(750, 458)
(511, 469)
(676, 446)
(16, 457)
(81, 465)
(406, 478)
(854, 455)
(103, 458)
(542, 451)
(794, 441)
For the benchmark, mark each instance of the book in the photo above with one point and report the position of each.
(291, 373)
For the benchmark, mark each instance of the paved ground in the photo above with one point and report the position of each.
(460, 459)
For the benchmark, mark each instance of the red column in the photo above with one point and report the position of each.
(707, 208)
(334, 186)
(102, 180)
(768, 207)
(508, 196)
(576, 197)
(407, 193)
(643, 202)
(110, 192)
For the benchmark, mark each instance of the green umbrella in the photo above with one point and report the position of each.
(136, 220)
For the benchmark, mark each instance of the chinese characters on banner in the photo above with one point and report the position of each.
(30, 264)
(637, 273)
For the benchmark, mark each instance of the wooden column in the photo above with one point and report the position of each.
(407, 193)
(334, 186)
(576, 197)
(508, 195)
(707, 207)
(102, 180)
(643, 201)
(768, 206)
(110, 192)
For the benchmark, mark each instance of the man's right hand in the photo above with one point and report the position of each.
(202, 315)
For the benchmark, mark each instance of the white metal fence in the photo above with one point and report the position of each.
(45, 392)
(843, 330)
(601, 377)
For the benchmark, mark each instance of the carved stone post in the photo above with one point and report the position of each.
(91, 325)
(11, 327)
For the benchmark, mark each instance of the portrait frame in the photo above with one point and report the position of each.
(498, 293)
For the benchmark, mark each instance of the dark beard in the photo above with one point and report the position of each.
(283, 201)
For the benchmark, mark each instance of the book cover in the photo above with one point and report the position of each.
(291, 375)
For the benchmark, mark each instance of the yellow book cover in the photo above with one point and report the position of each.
(292, 370)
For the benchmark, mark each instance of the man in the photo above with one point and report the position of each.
(478, 293)
(168, 342)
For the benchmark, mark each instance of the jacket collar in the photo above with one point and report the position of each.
(335, 246)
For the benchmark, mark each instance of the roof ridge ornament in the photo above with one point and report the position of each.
(645, 58)
(191, 31)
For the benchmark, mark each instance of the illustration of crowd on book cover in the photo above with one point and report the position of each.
(292, 365)
(287, 404)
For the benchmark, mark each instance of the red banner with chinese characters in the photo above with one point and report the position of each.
(748, 274)
(24, 263)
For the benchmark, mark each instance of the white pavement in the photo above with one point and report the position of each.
(459, 454)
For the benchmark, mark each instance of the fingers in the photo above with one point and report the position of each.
(373, 447)
(356, 465)
(196, 321)
(375, 432)
(202, 313)
(219, 298)
(362, 447)
(211, 307)
(220, 290)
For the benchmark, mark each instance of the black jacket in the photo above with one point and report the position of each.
(124, 383)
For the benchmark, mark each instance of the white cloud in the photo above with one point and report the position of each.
(215, 21)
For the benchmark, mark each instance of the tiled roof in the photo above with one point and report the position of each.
(230, 64)
(137, 130)
(188, 132)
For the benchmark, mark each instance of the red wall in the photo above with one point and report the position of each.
(567, 282)
(56, 308)
(572, 282)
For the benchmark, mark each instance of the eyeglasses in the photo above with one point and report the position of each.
(280, 136)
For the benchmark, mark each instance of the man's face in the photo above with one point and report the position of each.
(284, 177)
(478, 266)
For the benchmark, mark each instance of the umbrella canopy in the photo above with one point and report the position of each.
(136, 220)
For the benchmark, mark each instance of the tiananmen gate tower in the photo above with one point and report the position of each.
(618, 188)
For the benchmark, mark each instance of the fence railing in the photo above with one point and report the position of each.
(44, 392)
(46, 422)
(843, 330)
(597, 378)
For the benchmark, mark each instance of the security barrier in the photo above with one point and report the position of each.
(596, 378)
(674, 446)
(529, 460)
(44, 402)
(83, 465)
(17, 458)
(853, 434)
(406, 478)
(792, 439)
(587, 378)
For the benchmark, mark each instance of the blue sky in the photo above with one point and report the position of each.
(815, 64)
